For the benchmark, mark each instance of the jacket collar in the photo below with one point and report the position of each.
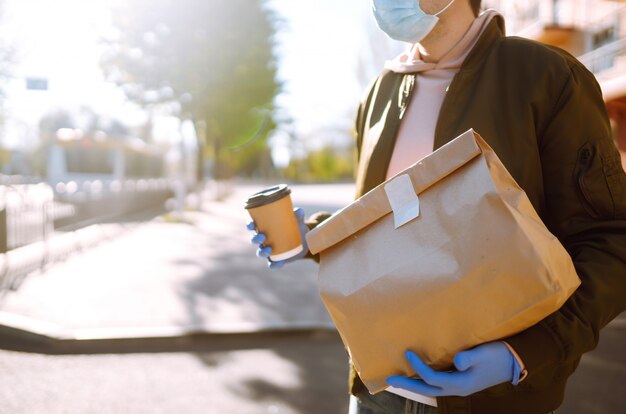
(458, 95)
(396, 90)
(494, 32)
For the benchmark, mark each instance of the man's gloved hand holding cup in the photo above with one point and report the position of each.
(280, 229)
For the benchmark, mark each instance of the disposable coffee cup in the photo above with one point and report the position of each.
(272, 212)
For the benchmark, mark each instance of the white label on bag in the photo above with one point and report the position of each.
(404, 202)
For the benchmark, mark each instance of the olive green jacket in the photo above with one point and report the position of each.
(543, 114)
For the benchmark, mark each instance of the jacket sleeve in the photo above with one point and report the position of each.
(361, 116)
(585, 193)
(312, 222)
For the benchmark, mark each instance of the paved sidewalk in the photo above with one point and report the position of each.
(174, 275)
(176, 314)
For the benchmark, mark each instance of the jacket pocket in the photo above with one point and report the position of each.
(600, 180)
(615, 179)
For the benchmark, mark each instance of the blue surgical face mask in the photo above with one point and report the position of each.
(404, 20)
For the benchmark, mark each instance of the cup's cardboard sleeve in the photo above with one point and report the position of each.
(446, 255)
(272, 212)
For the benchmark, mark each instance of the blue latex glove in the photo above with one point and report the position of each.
(478, 368)
(266, 251)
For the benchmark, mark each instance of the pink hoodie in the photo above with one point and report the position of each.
(416, 134)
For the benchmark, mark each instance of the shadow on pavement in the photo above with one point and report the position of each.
(320, 372)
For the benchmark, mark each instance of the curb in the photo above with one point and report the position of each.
(26, 334)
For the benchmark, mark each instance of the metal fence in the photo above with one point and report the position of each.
(24, 214)
(90, 201)
(41, 224)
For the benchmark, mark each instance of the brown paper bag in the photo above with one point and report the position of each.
(475, 266)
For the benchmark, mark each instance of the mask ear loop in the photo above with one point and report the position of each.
(444, 9)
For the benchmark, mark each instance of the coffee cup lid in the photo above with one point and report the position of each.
(268, 196)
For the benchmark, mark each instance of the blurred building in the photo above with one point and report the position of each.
(592, 30)
(62, 118)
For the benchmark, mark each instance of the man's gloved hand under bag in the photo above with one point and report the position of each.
(477, 369)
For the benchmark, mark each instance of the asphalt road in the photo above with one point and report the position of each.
(257, 374)
(288, 373)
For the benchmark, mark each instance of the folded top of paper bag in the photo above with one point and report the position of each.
(423, 174)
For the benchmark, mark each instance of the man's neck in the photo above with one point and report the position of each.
(452, 26)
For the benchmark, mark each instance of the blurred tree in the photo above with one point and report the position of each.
(327, 164)
(211, 61)
(54, 120)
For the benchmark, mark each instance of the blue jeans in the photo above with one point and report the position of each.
(387, 403)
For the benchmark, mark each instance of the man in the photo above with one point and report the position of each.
(542, 112)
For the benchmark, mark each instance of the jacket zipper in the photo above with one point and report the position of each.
(406, 91)
(443, 112)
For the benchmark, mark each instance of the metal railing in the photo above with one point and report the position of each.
(96, 200)
(40, 224)
(24, 214)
